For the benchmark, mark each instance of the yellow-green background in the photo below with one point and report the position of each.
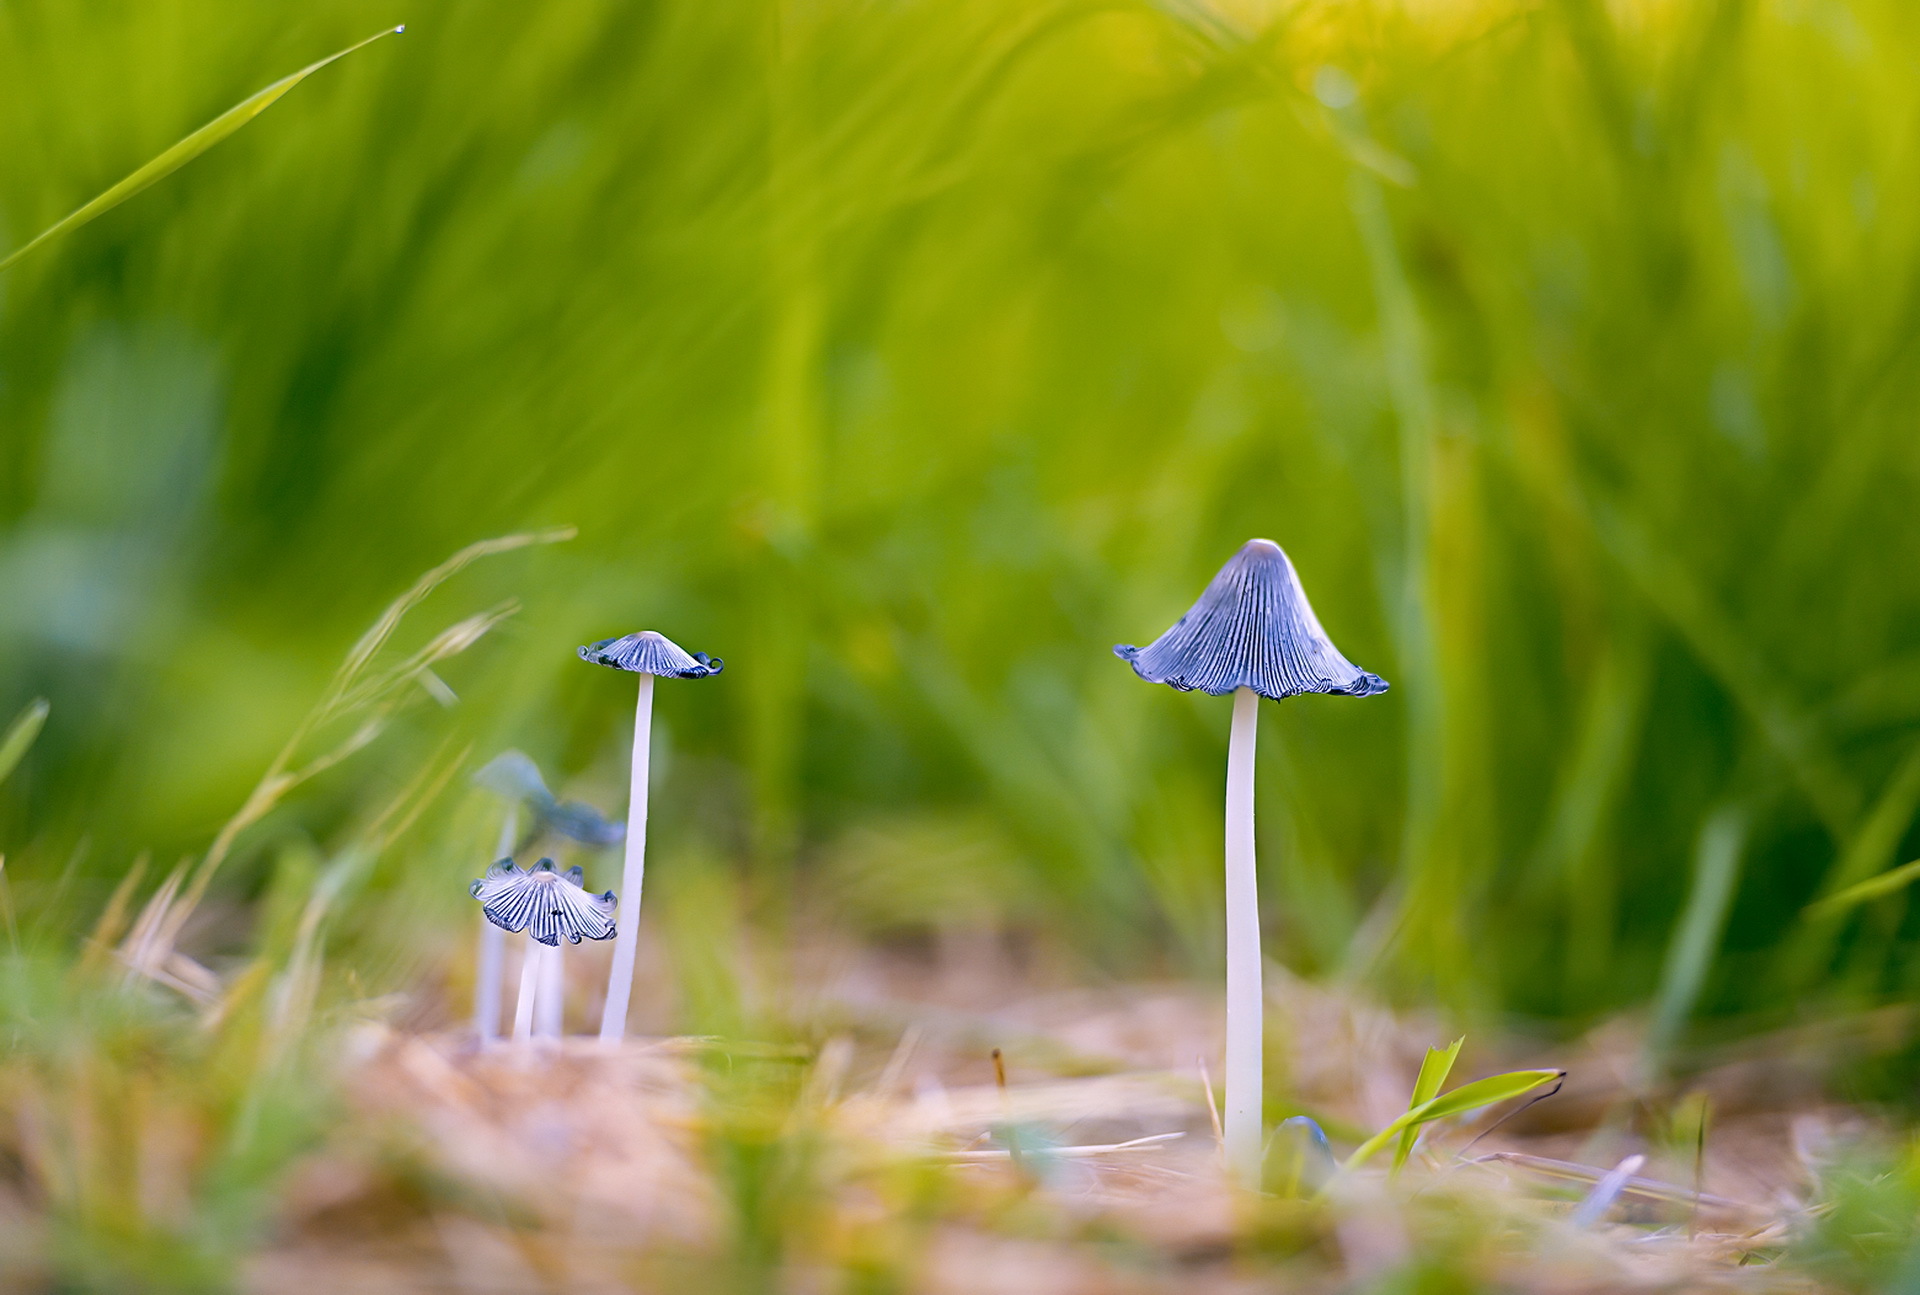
(910, 354)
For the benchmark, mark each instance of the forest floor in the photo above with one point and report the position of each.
(876, 1151)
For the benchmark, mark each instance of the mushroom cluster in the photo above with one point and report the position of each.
(1252, 634)
(515, 778)
(549, 906)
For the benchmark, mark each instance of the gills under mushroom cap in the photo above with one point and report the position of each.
(652, 653)
(547, 905)
(1252, 628)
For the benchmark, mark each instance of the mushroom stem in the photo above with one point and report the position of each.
(613, 1020)
(529, 991)
(549, 1013)
(1245, 1014)
(493, 944)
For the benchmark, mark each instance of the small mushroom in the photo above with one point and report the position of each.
(516, 779)
(649, 655)
(515, 776)
(1254, 635)
(549, 906)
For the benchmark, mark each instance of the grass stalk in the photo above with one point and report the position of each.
(1716, 871)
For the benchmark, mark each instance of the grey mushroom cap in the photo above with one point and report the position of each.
(1252, 628)
(514, 775)
(547, 905)
(649, 652)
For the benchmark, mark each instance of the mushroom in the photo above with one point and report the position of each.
(1254, 635)
(516, 778)
(648, 655)
(548, 906)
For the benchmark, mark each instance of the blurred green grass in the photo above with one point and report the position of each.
(908, 356)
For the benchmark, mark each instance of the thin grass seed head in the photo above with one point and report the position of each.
(513, 775)
(650, 652)
(547, 905)
(1252, 628)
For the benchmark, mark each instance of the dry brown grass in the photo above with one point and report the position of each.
(874, 1156)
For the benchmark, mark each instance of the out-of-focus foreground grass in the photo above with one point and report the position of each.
(908, 356)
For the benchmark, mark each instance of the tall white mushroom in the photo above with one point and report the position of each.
(648, 655)
(1254, 635)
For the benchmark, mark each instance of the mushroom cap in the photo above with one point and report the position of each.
(1252, 628)
(650, 652)
(514, 775)
(578, 821)
(545, 904)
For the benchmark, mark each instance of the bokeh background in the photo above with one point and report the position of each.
(908, 356)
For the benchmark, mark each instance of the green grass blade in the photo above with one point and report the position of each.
(1716, 872)
(185, 150)
(1433, 1073)
(1467, 1097)
(1710, 633)
(21, 734)
(1856, 875)
(1872, 888)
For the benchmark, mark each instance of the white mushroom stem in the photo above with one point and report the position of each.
(1245, 1006)
(613, 1021)
(530, 964)
(550, 1007)
(487, 971)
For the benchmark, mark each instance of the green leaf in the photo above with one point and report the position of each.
(21, 733)
(186, 150)
(1467, 1097)
(1433, 1073)
(1486, 1092)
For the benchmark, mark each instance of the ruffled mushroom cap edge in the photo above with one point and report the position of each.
(650, 652)
(546, 904)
